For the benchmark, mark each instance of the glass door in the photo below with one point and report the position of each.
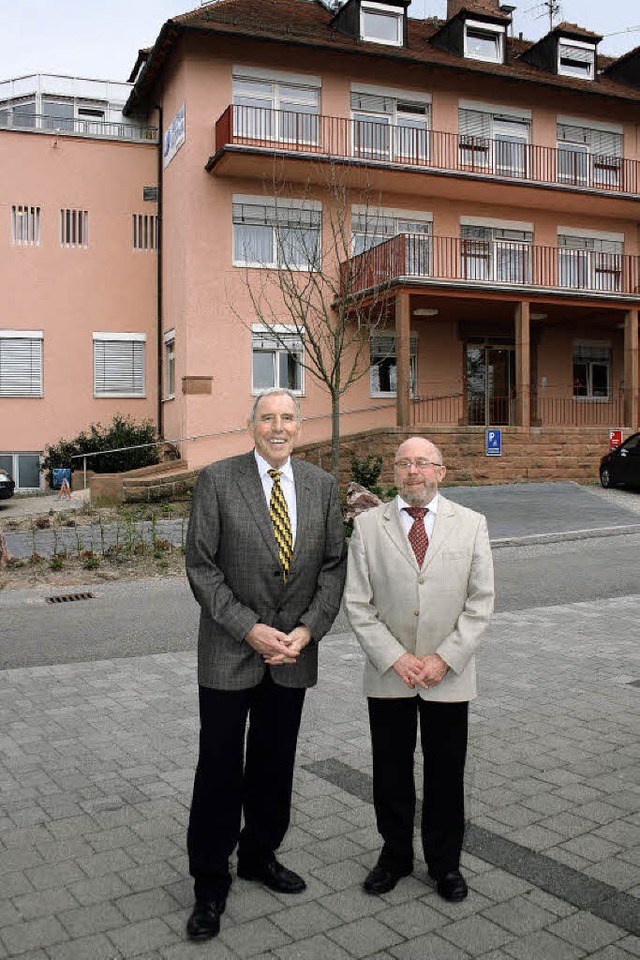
(490, 375)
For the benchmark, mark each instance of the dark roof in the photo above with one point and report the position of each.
(309, 23)
(573, 30)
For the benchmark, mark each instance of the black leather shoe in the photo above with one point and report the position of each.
(381, 880)
(204, 922)
(451, 886)
(274, 876)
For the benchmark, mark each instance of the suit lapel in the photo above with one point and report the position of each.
(250, 486)
(395, 531)
(441, 530)
(304, 494)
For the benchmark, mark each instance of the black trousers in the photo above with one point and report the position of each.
(231, 779)
(444, 734)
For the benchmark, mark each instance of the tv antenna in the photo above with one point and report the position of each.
(549, 8)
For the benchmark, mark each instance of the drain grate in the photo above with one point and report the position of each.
(69, 597)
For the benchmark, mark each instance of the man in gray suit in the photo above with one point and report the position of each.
(266, 563)
(419, 595)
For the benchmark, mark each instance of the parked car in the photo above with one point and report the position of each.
(622, 464)
(7, 486)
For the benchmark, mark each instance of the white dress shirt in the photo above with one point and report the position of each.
(429, 519)
(287, 484)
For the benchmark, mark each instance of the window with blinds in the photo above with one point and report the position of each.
(493, 141)
(576, 60)
(589, 263)
(383, 379)
(276, 361)
(277, 235)
(144, 231)
(118, 367)
(389, 128)
(498, 254)
(25, 225)
(20, 365)
(74, 228)
(266, 109)
(589, 155)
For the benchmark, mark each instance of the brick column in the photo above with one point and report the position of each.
(403, 326)
(631, 371)
(523, 365)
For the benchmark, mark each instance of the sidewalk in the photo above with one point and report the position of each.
(96, 767)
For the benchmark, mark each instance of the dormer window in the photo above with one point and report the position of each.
(380, 23)
(484, 41)
(576, 59)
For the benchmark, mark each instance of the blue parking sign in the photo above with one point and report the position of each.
(494, 443)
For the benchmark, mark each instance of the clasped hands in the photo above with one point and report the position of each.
(420, 671)
(276, 647)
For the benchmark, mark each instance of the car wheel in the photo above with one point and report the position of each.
(605, 478)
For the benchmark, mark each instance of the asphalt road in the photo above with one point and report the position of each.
(158, 616)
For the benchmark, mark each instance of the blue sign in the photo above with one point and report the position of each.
(494, 443)
(60, 474)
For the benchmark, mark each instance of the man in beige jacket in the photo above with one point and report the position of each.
(419, 595)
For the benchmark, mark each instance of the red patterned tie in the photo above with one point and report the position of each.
(417, 534)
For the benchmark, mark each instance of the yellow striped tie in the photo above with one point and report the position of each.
(281, 524)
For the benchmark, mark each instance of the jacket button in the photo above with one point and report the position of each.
(416, 613)
(421, 580)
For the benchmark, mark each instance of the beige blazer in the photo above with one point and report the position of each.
(444, 607)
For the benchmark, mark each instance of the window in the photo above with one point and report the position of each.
(271, 233)
(21, 363)
(25, 226)
(276, 109)
(589, 263)
(170, 364)
(118, 364)
(589, 156)
(57, 115)
(74, 228)
(380, 23)
(24, 468)
(494, 253)
(389, 127)
(18, 114)
(591, 370)
(576, 59)
(145, 231)
(484, 41)
(494, 142)
(383, 376)
(276, 358)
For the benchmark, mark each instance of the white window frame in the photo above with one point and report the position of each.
(562, 69)
(386, 350)
(33, 377)
(389, 13)
(15, 467)
(133, 338)
(389, 113)
(493, 29)
(592, 260)
(169, 380)
(25, 225)
(312, 208)
(273, 339)
(595, 346)
(599, 168)
(481, 151)
(505, 259)
(74, 228)
(271, 127)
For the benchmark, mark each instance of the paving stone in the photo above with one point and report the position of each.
(353, 903)
(542, 945)
(55, 875)
(142, 906)
(86, 948)
(498, 885)
(475, 934)
(429, 947)
(149, 876)
(8, 914)
(519, 915)
(99, 889)
(255, 936)
(610, 953)
(213, 950)
(44, 903)
(305, 920)
(135, 938)
(311, 948)
(616, 872)
(586, 931)
(341, 875)
(96, 918)
(32, 935)
(412, 919)
(364, 937)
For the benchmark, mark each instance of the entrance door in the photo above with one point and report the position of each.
(490, 373)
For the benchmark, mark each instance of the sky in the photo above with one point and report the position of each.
(101, 38)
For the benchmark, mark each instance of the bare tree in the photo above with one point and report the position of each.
(317, 294)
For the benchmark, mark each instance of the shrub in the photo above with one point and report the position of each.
(366, 471)
(121, 432)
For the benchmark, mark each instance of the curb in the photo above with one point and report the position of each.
(542, 538)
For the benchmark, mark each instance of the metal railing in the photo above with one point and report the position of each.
(492, 263)
(75, 126)
(374, 142)
(472, 409)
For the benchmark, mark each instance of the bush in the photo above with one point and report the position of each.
(366, 471)
(121, 432)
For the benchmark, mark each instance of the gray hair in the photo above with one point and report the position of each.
(275, 391)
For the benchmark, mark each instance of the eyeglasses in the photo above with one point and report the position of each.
(419, 463)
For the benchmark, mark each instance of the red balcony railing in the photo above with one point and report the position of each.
(374, 142)
(482, 409)
(492, 263)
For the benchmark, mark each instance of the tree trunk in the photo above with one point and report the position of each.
(335, 436)
(5, 556)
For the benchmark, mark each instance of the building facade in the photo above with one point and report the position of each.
(479, 192)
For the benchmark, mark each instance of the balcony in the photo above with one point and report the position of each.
(79, 127)
(379, 144)
(492, 265)
(486, 409)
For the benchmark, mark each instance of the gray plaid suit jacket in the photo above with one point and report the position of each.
(235, 573)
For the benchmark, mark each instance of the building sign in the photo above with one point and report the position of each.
(615, 439)
(174, 137)
(150, 194)
(494, 443)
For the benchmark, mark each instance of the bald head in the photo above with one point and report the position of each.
(418, 470)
